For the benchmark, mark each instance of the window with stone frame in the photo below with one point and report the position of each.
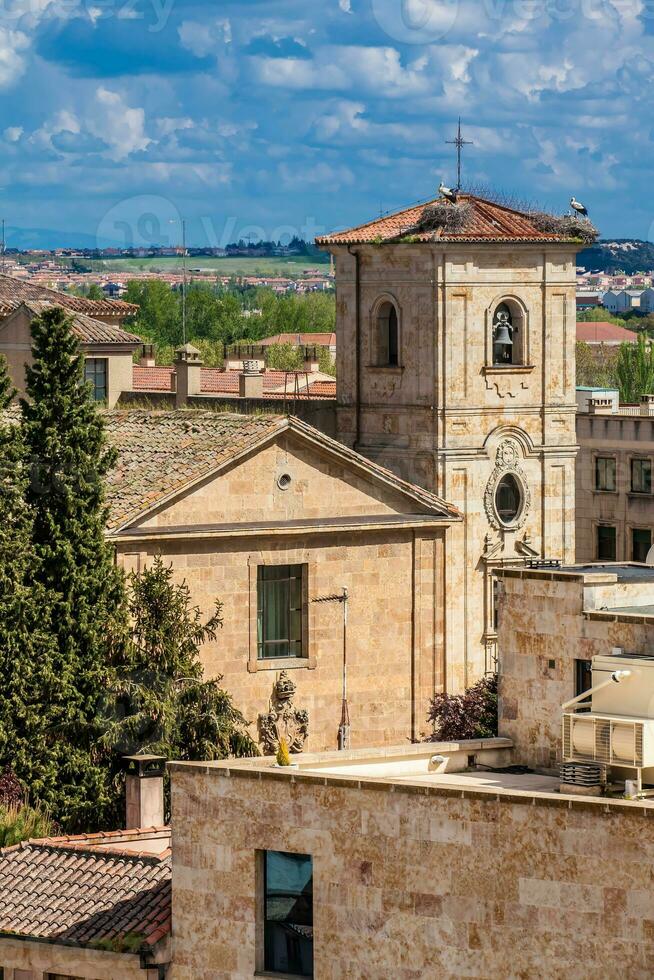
(280, 611)
(641, 542)
(606, 542)
(387, 336)
(605, 471)
(95, 371)
(287, 913)
(641, 475)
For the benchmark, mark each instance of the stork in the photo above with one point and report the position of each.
(447, 193)
(578, 207)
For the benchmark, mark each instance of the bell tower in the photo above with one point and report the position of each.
(456, 369)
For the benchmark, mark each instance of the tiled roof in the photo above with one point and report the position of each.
(86, 329)
(216, 382)
(486, 222)
(301, 339)
(161, 453)
(152, 378)
(70, 889)
(601, 332)
(14, 291)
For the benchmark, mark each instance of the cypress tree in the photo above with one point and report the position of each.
(25, 643)
(68, 458)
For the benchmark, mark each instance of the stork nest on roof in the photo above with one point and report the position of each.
(566, 225)
(444, 216)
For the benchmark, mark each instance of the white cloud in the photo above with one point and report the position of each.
(346, 6)
(13, 133)
(119, 125)
(203, 39)
(13, 45)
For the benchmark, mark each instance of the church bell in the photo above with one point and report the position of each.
(503, 334)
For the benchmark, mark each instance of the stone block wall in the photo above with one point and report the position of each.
(547, 621)
(395, 628)
(414, 882)
(622, 438)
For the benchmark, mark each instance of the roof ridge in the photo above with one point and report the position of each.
(134, 857)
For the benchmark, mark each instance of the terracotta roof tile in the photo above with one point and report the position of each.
(14, 291)
(86, 329)
(84, 893)
(161, 453)
(301, 339)
(601, 332)
(216, 382)
(487, 222)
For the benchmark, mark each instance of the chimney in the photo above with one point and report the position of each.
(647, 404)
(147, 358)
(144, 790)
(600, 406)
(188, 366)
(250, 382)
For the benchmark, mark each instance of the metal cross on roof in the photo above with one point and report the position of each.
(459, 142)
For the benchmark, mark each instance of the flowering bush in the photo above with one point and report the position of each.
(469, 715)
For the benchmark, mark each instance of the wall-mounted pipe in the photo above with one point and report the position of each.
(615, 678)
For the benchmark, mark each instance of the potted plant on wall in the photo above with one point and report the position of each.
(283, 756)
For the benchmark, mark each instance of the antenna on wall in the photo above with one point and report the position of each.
(3, 246)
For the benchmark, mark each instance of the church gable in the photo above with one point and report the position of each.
(197, 469)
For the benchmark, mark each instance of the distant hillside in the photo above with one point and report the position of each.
(618, 254)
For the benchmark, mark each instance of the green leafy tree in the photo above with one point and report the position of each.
(599, 315)
(596, 365)
(159, 316)
(284, 357)
(635, 369)
(165, 704)
(326, 362)
(68, 456)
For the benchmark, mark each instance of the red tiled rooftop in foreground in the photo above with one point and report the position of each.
(601, 332)
(87, 889)
(216, 382)
(487, 222)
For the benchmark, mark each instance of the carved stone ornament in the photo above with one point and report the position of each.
(283, 719)
(506, 461)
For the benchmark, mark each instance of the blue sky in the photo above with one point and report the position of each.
(117, 117)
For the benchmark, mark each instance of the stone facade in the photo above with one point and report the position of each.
(348, 529)
(624, 435)
(446, 416)
(16, 345)
(412, 881)
(549, 621)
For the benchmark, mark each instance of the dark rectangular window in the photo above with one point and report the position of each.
(605, 473)
(606, 549)
(288, 913)
(583, 676)
(641, 476)
(280, 610)
(641, 542)
(95, 371)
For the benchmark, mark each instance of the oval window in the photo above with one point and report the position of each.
(508, 499)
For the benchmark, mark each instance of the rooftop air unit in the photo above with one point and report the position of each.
(618, 731)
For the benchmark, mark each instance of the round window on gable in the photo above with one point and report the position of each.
(508, 499)
(284, 481)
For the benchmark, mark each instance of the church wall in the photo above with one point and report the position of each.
(394, 642)
(439, 418)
